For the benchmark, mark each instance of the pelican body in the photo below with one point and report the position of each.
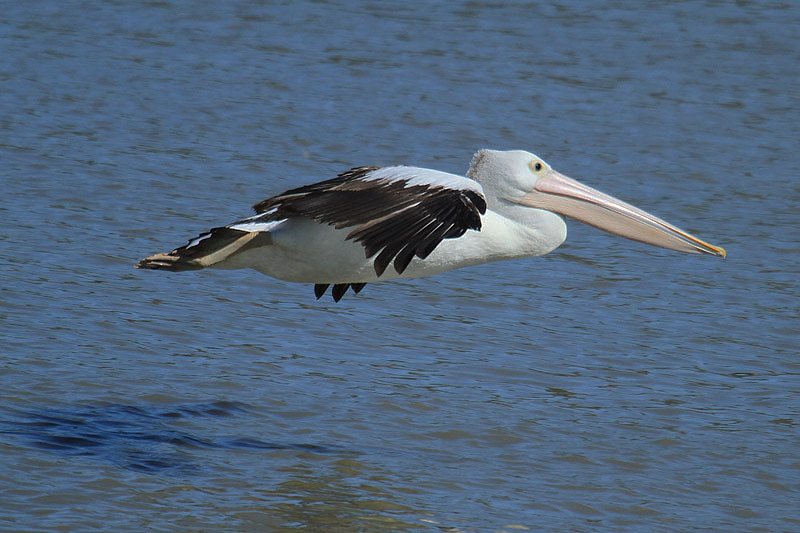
(379, 223)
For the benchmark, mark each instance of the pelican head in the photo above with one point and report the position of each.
(529, 181)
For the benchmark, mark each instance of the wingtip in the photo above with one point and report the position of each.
(319, 289)
(338, 291)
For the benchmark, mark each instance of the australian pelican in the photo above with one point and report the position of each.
(378, 223)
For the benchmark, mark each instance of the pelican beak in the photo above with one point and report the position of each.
(565, 196)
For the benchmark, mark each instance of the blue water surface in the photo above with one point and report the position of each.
(607, 386)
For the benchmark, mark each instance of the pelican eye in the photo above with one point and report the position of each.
(536, 166)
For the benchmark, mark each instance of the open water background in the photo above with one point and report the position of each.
(607, 386)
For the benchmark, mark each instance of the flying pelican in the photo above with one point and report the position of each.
(348, 230)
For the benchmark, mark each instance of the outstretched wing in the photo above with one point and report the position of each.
(396, 212)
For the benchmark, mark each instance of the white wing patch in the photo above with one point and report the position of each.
(255, 225)
(423, 176)
(198, 240)
(257, 222)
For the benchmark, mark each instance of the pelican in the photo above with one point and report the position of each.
(348, 231)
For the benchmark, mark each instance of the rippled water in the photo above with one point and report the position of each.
(607, 386)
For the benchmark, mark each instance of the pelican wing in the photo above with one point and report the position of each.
(396, 213)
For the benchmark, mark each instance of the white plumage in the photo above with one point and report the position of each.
(372, 224)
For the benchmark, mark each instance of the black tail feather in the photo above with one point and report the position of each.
(170, 261)
(206, 250)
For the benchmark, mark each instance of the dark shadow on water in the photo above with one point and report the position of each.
(178, 440)
(141, 438)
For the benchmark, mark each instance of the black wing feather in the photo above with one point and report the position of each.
(320, 288)
(338, 291)
(393, 220)
(357, 287)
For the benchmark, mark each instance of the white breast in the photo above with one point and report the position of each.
(308, 252)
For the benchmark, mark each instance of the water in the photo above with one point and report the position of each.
(607, 386)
